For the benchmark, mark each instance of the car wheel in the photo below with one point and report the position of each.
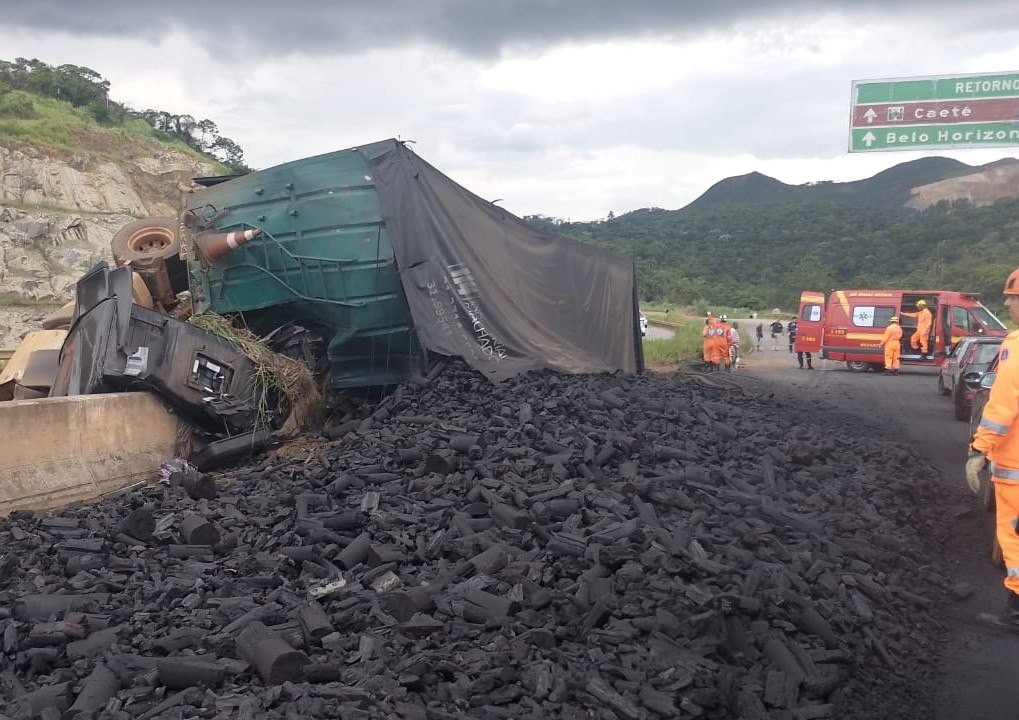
(942, 390)
(961, 406)
(857, 365)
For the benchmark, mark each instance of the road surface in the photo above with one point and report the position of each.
(976, 674)
(659, 332)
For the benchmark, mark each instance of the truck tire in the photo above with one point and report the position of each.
(148, 239)
(152, 247)
(857, 365)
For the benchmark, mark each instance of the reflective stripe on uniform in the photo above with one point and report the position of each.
(1004, 474)
(1012, 572)
(993, 426)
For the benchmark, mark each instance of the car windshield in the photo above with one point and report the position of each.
(987, 319)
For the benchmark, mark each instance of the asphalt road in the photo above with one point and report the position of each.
(978, 667)
(659, 332)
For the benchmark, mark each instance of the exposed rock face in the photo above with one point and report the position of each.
(994, 182)
(58, 215)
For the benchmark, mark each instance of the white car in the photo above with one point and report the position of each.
(643, 325)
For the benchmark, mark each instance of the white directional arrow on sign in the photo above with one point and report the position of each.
(869, 138)
(869, 115)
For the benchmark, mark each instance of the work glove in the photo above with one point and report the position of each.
(974, 464)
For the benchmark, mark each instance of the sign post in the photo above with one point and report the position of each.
(932, 113)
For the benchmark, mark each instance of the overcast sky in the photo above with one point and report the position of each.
(565, 108)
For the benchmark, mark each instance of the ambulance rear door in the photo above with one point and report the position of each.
(810, 322)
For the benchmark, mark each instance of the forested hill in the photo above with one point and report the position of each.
(754, 241)
(888, 189)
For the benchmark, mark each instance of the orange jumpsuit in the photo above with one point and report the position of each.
(722, 344)
(997, 437)
(707, 339)
(891, 342)
(918, 340)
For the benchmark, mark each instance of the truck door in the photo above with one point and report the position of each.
(945, 330)
(810, 318)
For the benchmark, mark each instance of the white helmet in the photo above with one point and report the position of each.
(724, 318)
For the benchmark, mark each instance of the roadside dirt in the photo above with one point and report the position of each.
(975, 671)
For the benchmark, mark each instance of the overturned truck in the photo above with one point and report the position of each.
(389, 261)
(372, 253)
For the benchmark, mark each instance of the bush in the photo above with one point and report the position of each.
(17, 104)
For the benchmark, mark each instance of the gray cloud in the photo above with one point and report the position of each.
(471, 27)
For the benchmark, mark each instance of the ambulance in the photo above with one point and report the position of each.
(847, 325)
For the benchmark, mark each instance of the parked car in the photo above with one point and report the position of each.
(961, 373)
(643, 325)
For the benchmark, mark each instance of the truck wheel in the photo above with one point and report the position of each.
(148, 239)
(857, 365)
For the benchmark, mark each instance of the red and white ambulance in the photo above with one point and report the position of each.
(847, 325)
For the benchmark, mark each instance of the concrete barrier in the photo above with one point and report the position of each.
(57, 451)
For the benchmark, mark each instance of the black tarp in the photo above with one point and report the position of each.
(484, 285)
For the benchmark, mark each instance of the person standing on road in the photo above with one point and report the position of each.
(734, 344)
(721, 345)
(760, 335)
(790, 328)
(891, 341)
(997, 440)
(776, 330)
(707, 340)
(918, 340)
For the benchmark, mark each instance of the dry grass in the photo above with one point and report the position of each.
(275, 376)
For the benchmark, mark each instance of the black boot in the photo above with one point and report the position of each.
(809, 366)
(1007, 620)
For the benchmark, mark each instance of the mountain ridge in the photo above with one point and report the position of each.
(895, 187)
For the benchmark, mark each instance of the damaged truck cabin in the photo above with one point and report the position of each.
(389, 260)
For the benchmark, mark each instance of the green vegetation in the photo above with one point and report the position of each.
(55, 107)
(763, 257)
(684, 347)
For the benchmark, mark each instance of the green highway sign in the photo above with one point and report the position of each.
(955, 111)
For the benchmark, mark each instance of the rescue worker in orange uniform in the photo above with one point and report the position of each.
(918, 340)
(891, 341)
(708, 339)
(723, 344)
(997, 440)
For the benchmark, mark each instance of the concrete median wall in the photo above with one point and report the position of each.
(57, 451)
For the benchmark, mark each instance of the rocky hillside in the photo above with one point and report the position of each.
(59, 211)
(986, 185)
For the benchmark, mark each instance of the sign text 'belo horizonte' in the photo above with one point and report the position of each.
(922, 113)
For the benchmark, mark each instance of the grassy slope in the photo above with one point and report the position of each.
(31, 121)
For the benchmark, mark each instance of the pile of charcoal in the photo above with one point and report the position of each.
(554, 546)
